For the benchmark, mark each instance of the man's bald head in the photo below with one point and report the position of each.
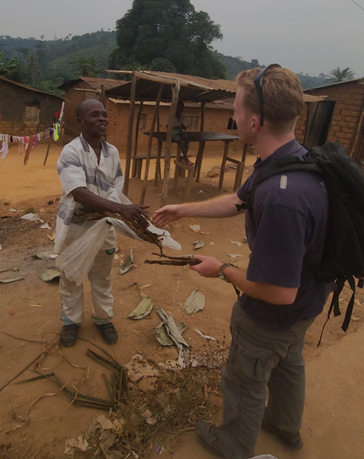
(88, 104)
(92, 119)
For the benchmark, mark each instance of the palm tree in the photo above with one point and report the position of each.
(7, 67)
(85, 66)
(337, 75)
(32, 66)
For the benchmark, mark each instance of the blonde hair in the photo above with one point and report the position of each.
(282, 97)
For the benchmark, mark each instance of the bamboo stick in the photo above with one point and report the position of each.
(150, 142)
(130, 134)
(167, 158)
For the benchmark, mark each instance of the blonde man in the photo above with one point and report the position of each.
(280, 298)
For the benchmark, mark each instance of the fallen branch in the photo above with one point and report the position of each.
(173, 261)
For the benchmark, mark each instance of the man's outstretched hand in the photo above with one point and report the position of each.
(165, 215)
(134, 214)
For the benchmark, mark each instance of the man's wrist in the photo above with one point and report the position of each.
(221, 272)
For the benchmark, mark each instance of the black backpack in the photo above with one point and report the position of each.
(343, 254)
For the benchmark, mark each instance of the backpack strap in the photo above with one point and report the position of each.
(340, 282)
(280, 166)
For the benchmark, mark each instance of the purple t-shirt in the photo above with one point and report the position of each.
(290, 223)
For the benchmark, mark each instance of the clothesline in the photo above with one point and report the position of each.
(30, 141)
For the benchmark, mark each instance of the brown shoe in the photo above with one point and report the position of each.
(206, 434)
(108, 332)
(69, 335)
(291, 439)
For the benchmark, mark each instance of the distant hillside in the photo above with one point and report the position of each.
(46, 64)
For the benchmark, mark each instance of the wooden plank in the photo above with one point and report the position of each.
(167, 161)
(136, 138)
(130, 135)
(150, 142)
(120, 72)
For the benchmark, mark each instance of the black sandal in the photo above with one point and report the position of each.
(108, 332)
(69, 335)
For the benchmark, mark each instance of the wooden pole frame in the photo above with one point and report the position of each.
(201, 146)
(150, 142)
(167, 159)
(133, 172)
(130, 135)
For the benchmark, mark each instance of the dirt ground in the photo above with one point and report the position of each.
(30, 308)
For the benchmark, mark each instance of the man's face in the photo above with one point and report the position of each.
(242, 117)
(93, 119)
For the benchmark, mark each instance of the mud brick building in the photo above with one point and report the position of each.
(346, 125)
(76, 91)
(25, 110)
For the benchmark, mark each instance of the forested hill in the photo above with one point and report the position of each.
(45, 64)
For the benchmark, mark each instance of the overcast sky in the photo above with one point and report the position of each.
(309, 36)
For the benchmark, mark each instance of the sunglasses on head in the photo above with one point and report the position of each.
(258, 81)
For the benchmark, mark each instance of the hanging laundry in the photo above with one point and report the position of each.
(55, 132)
(4, 150)
(27, 154)
(47, 133)
(35, 141)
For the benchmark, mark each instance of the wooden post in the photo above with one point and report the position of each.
(223, 164)
(158, 162)
(167, 159)
(102, 96)
(130, 134)
(150, 142)
(133, 173)
(49, 146)
(201, 145)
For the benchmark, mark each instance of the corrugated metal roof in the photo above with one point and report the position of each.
(356, 80)
(94, 83)
(29, 87)
(217, 105)
(192, 88)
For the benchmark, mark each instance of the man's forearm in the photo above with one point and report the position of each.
(89, 199)
(223, 206)
(269, 293)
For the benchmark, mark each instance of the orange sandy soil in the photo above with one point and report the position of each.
(30, 309)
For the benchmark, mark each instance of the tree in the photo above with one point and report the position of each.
(85, 66)
(337, 75)
(7, 67)
(32, 66)
(167, 34)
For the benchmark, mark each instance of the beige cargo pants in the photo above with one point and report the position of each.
(100, 278)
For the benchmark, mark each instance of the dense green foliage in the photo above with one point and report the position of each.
(46, 64)
(167, 35)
